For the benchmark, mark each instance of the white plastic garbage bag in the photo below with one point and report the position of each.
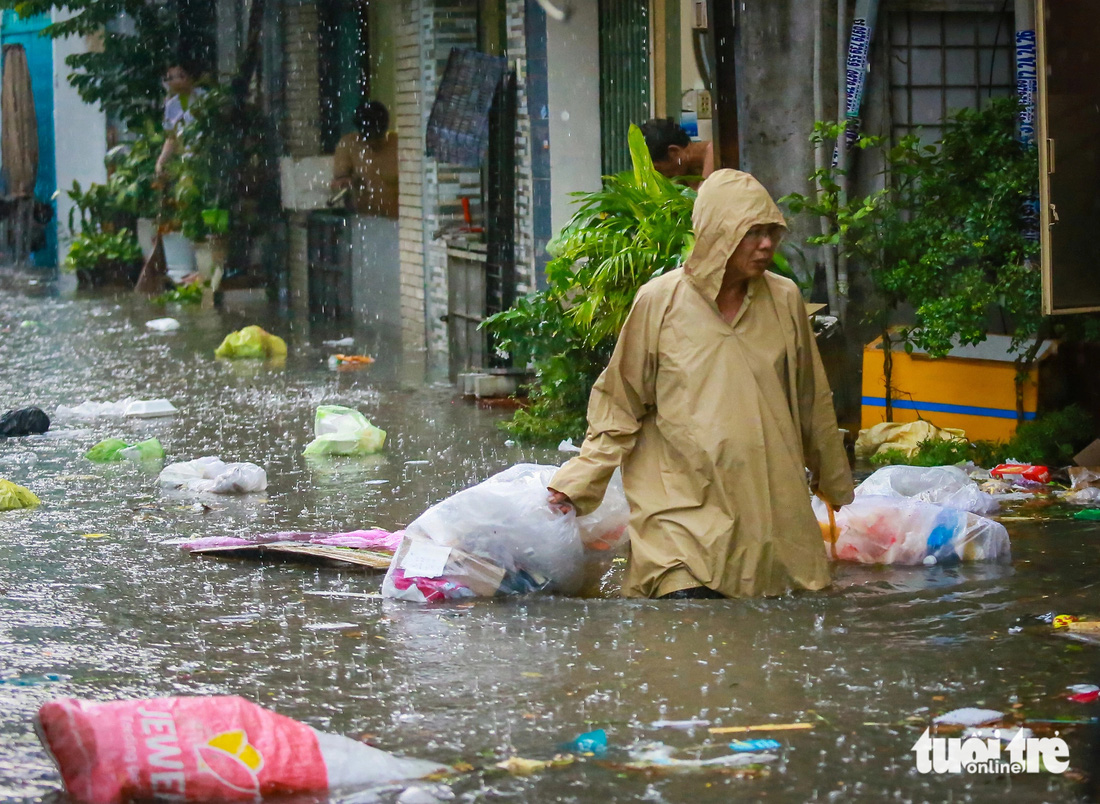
(502, 537)
(163, 324)
(942, 485)
(899, 530)
(210, 474)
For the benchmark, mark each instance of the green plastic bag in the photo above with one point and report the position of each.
(344, 431)
(13, 497)
(149, 450)
(251, 342)
(106, 450)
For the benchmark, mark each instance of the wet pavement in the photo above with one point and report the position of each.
(127, 614)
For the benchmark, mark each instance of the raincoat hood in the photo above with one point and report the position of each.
(730, 202)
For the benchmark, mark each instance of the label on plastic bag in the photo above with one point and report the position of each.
(425, 559)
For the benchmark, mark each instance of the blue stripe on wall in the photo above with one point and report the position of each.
(939, 407)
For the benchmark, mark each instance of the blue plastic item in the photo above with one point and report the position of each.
(754, 746)
(591, 742)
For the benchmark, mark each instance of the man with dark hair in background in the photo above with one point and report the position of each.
(674, 153)
(365, 162)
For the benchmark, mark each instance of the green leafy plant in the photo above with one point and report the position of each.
(184, 294)
(1051, 439)
(123, 74)
(636, 227)
(221, 161)
(944, 235)
(128, 193)
(96, 254)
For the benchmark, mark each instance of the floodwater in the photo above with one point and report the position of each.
(128, 614)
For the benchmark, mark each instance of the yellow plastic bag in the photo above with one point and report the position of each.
(904, 437)
(251, 342)
(13, 497)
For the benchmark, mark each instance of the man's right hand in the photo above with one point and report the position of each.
(560, 501)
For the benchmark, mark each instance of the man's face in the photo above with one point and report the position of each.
(675, 164)
(755, 252)
(177, 80)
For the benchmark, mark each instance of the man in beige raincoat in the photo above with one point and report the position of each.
(714, 403)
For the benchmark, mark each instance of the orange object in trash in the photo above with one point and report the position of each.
(1011, 471)
(349, 361)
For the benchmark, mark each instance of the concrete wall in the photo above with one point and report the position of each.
(775, 92)
(80, 132)
(573, 84)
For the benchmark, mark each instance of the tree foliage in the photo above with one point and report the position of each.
(123, 76)
(945, 235)
(636, 227)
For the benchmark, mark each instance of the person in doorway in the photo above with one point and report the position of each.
(365, 163)
(674, 153)
(179, 80)
(715, 403)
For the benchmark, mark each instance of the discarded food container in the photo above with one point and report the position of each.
(24, 422)
(1018, 471)
(899, 530)
(149, 409)
(217, 748)
(94, 410)
(163, 324)
(13, 497)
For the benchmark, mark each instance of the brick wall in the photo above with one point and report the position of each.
(429, 192)
(303, 86)
(302, 127)
(410, 151)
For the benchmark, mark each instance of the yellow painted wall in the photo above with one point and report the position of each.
(950, 381)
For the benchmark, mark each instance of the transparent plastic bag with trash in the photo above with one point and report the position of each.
(901, 530)
(344, 431)
(501, 537)
(943, 485)
(204, 748)
(212, 475)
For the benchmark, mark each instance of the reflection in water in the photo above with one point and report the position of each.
(129, 615)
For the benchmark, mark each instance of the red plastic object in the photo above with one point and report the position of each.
(1085, 697)
(198, 749)
(1012, 471)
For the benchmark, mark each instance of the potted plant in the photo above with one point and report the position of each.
(102, 258)
(105, 218)
(219, 149)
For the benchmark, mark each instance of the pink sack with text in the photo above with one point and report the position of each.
(179, 749)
